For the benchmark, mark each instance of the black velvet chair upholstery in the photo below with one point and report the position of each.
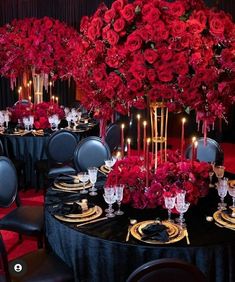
(211, 152)
(60, 151)
(167, 270)
(19, 164)
(38, 266)
(25, 220)
(91, 151)
(113, 136)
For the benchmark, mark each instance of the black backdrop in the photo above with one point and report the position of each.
(71, 11)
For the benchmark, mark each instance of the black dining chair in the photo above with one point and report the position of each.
(19, 164)
(91, 151)
(113, 136)
(167, 270)
(60, 151)
(208, 152)
(25, 220)
(37, 266)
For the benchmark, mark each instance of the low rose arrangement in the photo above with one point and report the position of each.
(170, 177)
(41, 112)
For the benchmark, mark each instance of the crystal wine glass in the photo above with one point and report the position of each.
(222, 188)
(119, 197)
(110, 198)
(219, 171)
(110, 163)
(231, 191)
(92, 171)
(169, 204)
(182, 208)
(84, 177)
(211, 173)
(180, 196)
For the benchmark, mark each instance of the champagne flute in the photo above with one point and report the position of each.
(84, 177)
(92, 171)
(169, 204)
(119, 197)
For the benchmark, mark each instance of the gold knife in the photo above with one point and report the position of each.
(92, 221)
(186, 235)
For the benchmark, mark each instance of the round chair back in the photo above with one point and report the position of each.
(61, 145)
(8, 182)
(91, 151)
(113, 136)
(209, 152)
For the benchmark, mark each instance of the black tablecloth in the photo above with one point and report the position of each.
(98, 252)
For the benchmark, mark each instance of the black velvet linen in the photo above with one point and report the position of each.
(155, 232)
(98, 252)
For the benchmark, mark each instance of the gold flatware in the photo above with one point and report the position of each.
(92, 221)
(63, 190)
(132, 222)
(186, 235)
(102, 172)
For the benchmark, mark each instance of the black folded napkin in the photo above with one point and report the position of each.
(155, 231)
(64, 209)
(65, 178)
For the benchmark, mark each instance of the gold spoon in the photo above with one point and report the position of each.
(132, 222)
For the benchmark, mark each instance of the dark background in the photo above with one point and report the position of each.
(71, 11)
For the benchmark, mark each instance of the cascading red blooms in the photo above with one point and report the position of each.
(170, 176)
(180, 51)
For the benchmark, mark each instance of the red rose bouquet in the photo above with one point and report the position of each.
(170, 176)
(148, 50)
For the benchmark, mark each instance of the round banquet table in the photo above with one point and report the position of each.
(98, 252)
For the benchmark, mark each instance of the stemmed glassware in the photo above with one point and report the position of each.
(211, 173)
(231, 191)
(110, 163)
(182, 208)
(110, 199)
(119, 196)
(92, 172)
(219, 171)
(169, 204)
(84, 177)
(222, 188)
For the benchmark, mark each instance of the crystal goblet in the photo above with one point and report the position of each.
(222, 189)
(182, 208)
(119, 197)
(84, 177)
(110, 199)
(219, 171)
(231, 191)
(169, 204)
(92, 171)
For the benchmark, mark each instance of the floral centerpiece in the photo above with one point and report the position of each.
(148, 50)
(170, 177)
(40, 112)
(44, 46)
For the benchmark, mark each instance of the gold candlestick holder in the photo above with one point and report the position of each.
(159, 122)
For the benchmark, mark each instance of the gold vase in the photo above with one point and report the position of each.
(38, 80)
(159, 122)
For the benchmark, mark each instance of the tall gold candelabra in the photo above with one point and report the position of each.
(159, 121)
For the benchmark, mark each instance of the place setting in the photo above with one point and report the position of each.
(107, 166)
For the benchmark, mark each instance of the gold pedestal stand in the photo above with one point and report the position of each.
(159, 121)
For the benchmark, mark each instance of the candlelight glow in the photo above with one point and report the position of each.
(138, 116)
(145, 123)
(123, 126)
(129, 140)
(183, 120)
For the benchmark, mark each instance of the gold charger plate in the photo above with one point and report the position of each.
(225, 215)
(218, 218)
(71, 218)
(72, 187)
(86, 213)
(105, 169)
(175, 232)
(231, 182)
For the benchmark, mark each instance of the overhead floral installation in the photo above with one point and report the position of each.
(149, 50)
(170, 177)
(42, 46)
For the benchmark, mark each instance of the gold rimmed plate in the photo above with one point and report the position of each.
(74, 218)
(72, 187)
(218, 218)
(231, 182)
(87, 213)
(227, 217)
(105, 169)
(175, 232)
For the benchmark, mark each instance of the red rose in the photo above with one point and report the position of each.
(200, 16)
(128, 12)
(109, 15)
(185, 40)
(84, 24)
(176, 9)
(133, 42)
(151, 75)
(99, 74)
(178, 28)
(114, 79)
(150, 55)
(112, 59)
(194, 26)
(152, 15)
(135, 85)
(216, 26)
(165, 53)
(138, 71)
(119, 25)
(165, 73)
(93, 32)
(118, 4)
(112, 37)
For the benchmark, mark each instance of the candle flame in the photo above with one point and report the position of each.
(138, 116)
(123, 125)
(129, 140)
(30, 82)
(145, 123)
(148, 140)
(50, 83)
(183, 120)
(194, 139)
(195, 144)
